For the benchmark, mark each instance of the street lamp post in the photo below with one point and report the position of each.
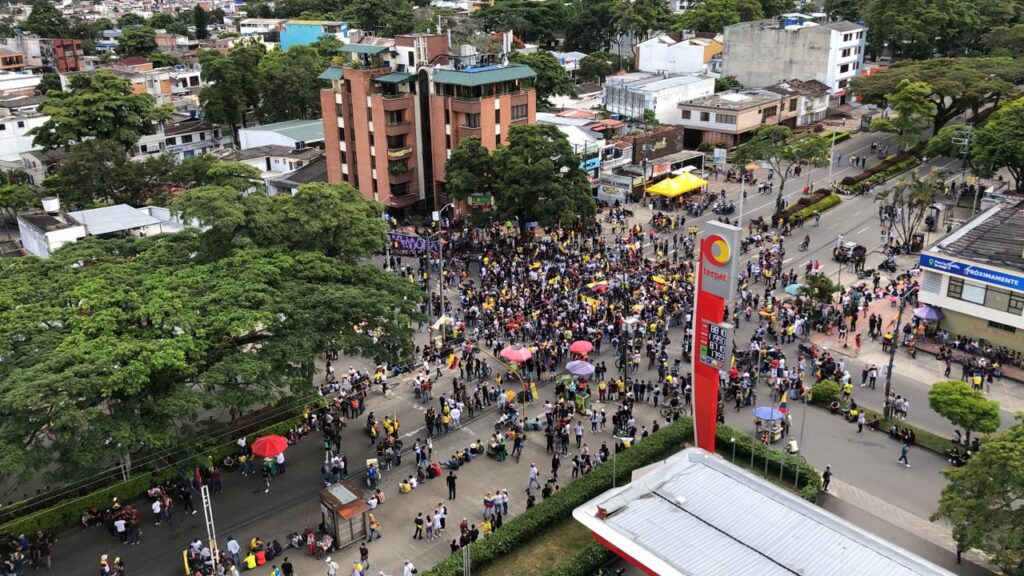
(628, 327)
(887, 405)
(615, 452)
(439, 218)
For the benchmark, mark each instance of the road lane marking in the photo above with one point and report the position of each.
(862, 229)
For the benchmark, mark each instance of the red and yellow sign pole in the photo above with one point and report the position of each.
(716, 284)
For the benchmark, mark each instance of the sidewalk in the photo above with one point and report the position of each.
(926, 368)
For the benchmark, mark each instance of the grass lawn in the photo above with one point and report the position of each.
(543, 552)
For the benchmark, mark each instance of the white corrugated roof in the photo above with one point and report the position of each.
(117, 218)
(698, 514)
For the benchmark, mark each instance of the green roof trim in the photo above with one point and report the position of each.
(364, 49)
(484, 76)
(395, 78)
(332, 73)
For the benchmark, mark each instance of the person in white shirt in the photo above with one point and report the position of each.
(280, 463)
(158, 511)
(122, 529)
(409, 569)
(234, 550)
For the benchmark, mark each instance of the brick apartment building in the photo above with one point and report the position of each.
(399, 107)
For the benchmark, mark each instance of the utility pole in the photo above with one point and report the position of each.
(211, 531)
(887, 405)
(962, 138)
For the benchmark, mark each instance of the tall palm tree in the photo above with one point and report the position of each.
(910, 199)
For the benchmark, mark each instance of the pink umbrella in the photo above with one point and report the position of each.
(516, 354)
(581, 347)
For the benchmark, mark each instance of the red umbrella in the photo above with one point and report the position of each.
(269, 446)
(581, 347)
(516, 354)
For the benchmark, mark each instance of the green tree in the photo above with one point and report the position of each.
(45, 20)
(327, 47)
(537, 177)
(163, 59)
(818, 287)
(385, 18)
(101, 171)
(641, 18)
(588, 27)
(715, 15)
(47, 83)
(982, 501)
(130, 19)
(289, 84)
(1005, 41)
(230, 93)
(16, 198)
(947, 142)
(165, 21)
(915, 113)
(551, 80)
(136, 41)
(650, 118)
(776, 7)
(775, 145)
(912, 199)
(964, 407)
(201, 20)
(958, 85)
(999, 143)
(123, 353)
(596, 66)
(100, 106)
(541, 21)
(726, 83)
(922, 29)
(470, 170)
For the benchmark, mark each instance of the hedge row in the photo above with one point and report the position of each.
(840, 135)
(830, 201)
(893, 171)
(587, 562)
(533, 522)
(68, 514)
(668, 440)
(885, 165)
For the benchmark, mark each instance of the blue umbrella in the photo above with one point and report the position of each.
(767, 413)
(794, 289)
(580, 368)
(928, 313)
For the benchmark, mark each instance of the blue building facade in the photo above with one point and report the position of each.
(305, 32)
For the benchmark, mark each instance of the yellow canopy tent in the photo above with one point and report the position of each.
(677, 186)
(690, 181)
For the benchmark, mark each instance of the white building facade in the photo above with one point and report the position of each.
(763, 52)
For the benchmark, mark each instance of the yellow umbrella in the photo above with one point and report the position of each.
(751, 166)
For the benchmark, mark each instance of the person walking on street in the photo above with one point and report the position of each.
(235, 550)
(451, 484)
(534, 474)
(903, 454)
(860, 422)
(374, 528)
(826, 477)
(332, 567)
(409, 569)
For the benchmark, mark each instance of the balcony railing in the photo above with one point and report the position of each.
(399, 153)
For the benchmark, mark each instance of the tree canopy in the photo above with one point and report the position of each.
(912, 198)
(100, 106)
(596, 66)
(200, 19)
(915, 113)
(122, 342)
(982, 500)
(137, 41)
(964, 407)
(289, 85)
(776, 146)
(552, 79)
(999, 143)
(958, 85)
(45, 20)
(470, 170)
(537, 177)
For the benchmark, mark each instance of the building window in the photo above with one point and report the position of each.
(472, 120)
(395, 117)
(341, 134)
(844, 68)
(725, 118)
(202, 135)
(1002, 327)
(847, 37)
(845, 53)
(3, 126)
(792, 105)
(519, 112)
(686, 114)
(1015, 305)
(172, 141)
(21, 124)
(186, 139)
(769, 111)
(705, 117)
(860, 35)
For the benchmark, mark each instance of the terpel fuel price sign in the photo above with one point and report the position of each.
(715, 345)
